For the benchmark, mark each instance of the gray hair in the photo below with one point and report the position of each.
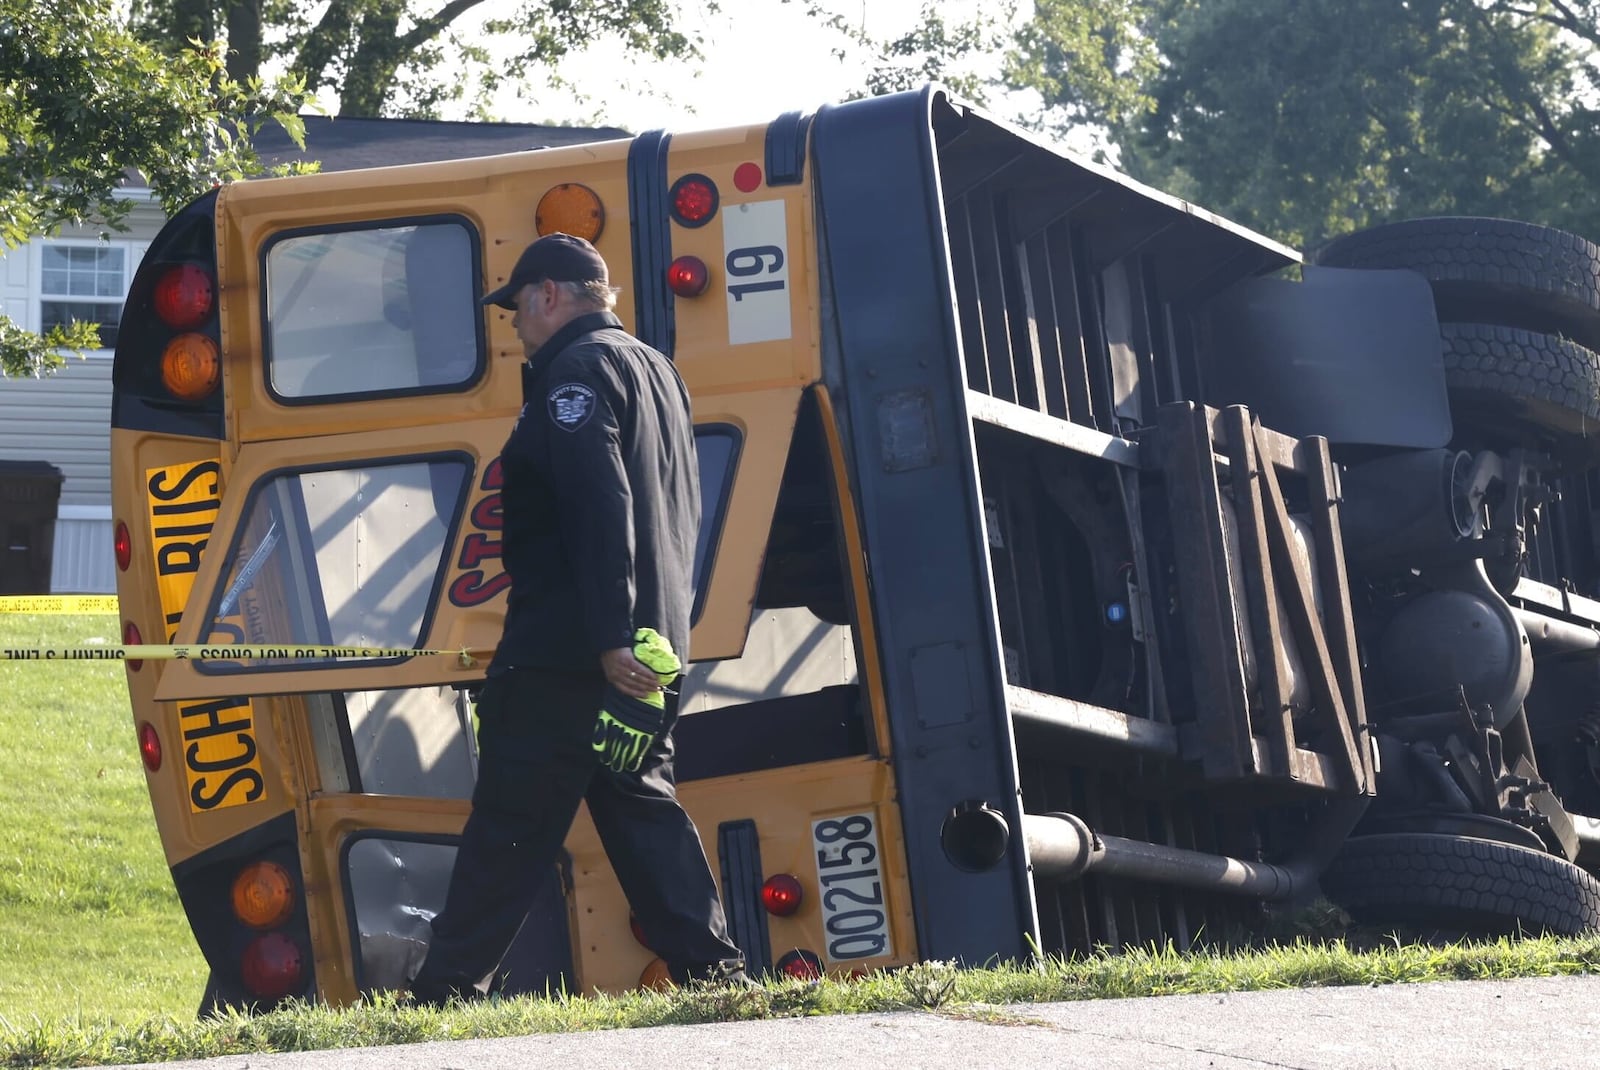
(596, 294)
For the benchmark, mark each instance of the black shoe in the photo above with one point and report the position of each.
(728, 973)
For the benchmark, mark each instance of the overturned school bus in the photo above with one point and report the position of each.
(1069, 576)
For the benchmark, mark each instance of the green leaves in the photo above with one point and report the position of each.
(23, 353)
(1093, 61)
(85, 107)
(413, 58)
(1309, 118)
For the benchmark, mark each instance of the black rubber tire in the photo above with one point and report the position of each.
(1513, 379)
(1489, 271)
(1435, 881)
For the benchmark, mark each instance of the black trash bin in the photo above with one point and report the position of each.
(29, 491)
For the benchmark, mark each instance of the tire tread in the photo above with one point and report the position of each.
(1460, 881)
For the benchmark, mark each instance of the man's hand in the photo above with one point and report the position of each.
(628, 674)
(632, 708)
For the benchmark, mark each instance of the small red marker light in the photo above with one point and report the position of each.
(131, 637)
(122, 543)
(747, 177)
(688, 276)
(804, 965)
(694, 200)
(184, 296)
(149, 746)
(782, 895)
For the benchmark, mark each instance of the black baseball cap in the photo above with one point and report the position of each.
(560, 257)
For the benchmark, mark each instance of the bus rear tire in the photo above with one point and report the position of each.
(1436, 881)
(1524, 385)
(1497, 271)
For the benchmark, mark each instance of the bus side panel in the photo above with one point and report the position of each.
(220, 775)
(608, 956)
(899, 371)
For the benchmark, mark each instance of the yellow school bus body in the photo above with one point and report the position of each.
(755, 388)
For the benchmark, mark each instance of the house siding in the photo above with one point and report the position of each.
(82, 560)
(64, 418)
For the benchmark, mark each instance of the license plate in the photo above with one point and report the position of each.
(855, 917)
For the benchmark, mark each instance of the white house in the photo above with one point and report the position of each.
(64, 419)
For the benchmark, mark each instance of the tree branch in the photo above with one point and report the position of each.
(322, 43)
(1568, 19)
(427, 29)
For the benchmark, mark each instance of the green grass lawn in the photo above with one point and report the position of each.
(97, 963)
(89, 921)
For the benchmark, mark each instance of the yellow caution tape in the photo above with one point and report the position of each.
(58, 603)
(224, 652)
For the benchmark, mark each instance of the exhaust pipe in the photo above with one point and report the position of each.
(1061, 847)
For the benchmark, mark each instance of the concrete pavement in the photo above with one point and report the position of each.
(1540, 1024)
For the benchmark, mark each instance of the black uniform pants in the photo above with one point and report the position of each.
(536, 763)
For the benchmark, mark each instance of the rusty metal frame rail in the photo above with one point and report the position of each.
(1241, 733)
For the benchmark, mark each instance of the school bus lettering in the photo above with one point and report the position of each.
(224, 794)
(179, 557)
(476, 586)
(183, 505)
(182, 512)
(178, 495)
(200, 765)
(220, 738)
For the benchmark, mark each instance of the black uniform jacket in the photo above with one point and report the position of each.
(601, 498)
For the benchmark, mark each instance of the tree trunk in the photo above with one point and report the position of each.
(189, 19)
(377, 57)
(244, 39)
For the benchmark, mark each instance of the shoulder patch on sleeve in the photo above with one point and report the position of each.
(571, 405)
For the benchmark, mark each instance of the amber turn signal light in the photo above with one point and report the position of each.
(190, 369)
(570, 209)
(263, 895)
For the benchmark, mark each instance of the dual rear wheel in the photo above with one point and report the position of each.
(1519, 318)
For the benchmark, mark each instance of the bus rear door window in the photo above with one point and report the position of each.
(372, 311)
(347, 557)
(717, 446)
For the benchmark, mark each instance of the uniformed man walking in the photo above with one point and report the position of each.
(601, 510)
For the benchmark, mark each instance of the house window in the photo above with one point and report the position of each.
(83, 281)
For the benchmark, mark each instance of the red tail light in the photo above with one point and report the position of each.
(131, 637)
(149, 746)
(122, 543)
(184, 296)
(804, 965)
(782, 895)
(688, 277)
(273, 966)
(694, 200)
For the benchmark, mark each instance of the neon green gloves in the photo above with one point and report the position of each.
(627, 726)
